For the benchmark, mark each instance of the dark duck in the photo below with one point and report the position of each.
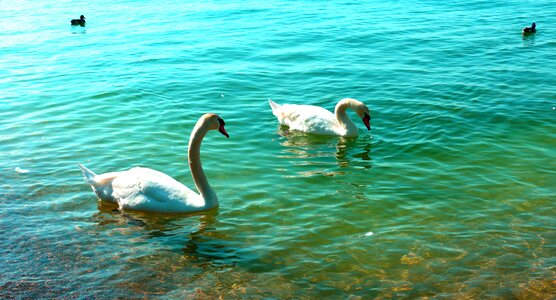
(80, 21)
(529, 30)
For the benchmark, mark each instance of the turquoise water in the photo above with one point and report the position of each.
(451, 195)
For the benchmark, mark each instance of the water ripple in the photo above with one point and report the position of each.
(455, 181)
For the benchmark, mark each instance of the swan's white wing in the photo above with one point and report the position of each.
(149, 190)
(308, 118)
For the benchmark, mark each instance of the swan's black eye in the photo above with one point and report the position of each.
(221, 122)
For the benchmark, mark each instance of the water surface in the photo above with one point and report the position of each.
(451, 195)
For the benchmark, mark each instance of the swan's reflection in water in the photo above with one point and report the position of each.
(316, 151)
(193, 235)
(155, 254)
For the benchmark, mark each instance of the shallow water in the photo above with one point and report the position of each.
(451, 195)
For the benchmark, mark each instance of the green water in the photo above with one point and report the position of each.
(451, 195)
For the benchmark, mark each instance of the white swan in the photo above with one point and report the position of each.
(149, 190)
(317, 120)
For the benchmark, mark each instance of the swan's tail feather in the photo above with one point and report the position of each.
(275, 107)
(88, 174)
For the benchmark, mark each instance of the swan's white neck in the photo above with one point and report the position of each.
(194, 156)
(342, 116)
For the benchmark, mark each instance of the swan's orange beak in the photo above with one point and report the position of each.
(223, 131)
(367, 121)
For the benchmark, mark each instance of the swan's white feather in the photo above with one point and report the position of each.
(150, 190)
(144, 189)
(307, 118)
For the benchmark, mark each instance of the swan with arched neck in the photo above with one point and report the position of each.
(149, 190)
